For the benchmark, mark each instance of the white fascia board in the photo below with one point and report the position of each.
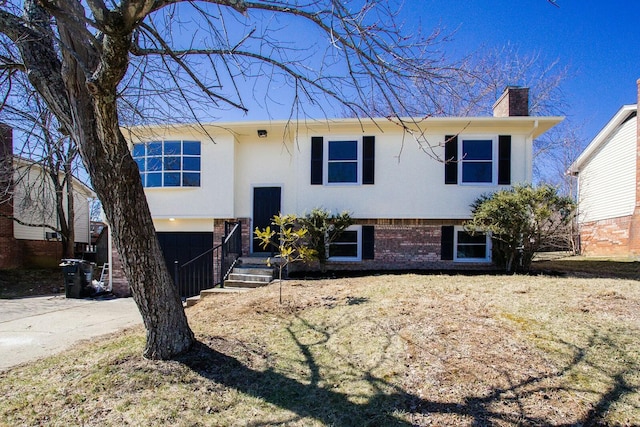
(620, 117)
(525, 124)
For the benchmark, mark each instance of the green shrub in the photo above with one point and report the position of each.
(522, 220)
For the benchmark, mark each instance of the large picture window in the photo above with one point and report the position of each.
(168, 163)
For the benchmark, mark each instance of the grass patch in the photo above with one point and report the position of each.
(579, 266)
(388, 350)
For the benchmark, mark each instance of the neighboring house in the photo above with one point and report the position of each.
(26, 194)
(608, 172)
(408, 205)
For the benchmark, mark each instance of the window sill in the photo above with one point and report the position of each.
(343, 260)
(473, 261)
(172, 188)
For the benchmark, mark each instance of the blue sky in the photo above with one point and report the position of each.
(598, 40)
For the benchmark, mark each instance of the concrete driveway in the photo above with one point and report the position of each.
(32, 328)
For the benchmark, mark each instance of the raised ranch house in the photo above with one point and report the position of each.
(27, 194)
(408, 203)
(608, 173)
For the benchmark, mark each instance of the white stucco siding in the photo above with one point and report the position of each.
(182, 225)
(214, 197)
(408, 182)
(264, 162)
(607, 180)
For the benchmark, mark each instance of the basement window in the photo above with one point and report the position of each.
(348, 246)
(471, 247)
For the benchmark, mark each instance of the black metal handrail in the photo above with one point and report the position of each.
(212, 267)
(231, 249)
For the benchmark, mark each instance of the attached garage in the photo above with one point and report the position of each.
(183, 246)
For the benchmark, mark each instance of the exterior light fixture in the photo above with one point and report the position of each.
(262, 133)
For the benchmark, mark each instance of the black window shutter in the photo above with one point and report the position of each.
(316, 160)
(504, 160)
(446, 243)
(368, 159)
(368, 239)
(451, 159)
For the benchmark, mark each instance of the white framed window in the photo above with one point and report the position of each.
(171, 163)
(478, 160)
(348, 246)
(471, 247)
(343, 160)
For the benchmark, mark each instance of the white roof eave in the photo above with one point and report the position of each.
(533, 125)
(602, 136)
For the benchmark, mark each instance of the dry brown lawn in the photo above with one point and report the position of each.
(388, 350)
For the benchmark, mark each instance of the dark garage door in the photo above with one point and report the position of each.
(183, 246)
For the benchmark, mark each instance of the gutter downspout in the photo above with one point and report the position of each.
(529, 152)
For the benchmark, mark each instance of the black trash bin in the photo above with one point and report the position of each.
(77, 277)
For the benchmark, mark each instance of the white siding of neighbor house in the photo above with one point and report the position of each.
(34, 202)
(607, 181)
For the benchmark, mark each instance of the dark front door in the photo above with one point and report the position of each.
(266, 204)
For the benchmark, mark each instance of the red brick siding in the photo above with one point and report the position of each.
(609, 237)
(118, 278)
(403, 244)
(29, 253)
(513, 102)
(406, 245)
(40, 253)
(634, 236)
(247, 234)
(8, 251)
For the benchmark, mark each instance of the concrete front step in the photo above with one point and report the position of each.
(253, 275)
(253, 271)
(244, 284)
(258, 261)
(213, 291)
(250, 277)
(244, 277)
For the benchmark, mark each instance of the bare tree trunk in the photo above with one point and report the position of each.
(85, 105)
(117, 182)
(125, 205)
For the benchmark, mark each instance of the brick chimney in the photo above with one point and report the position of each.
(7, 240)
(634, 232)
(514, 101)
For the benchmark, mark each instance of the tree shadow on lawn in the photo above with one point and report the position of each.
(392, 406)
(588, 268)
